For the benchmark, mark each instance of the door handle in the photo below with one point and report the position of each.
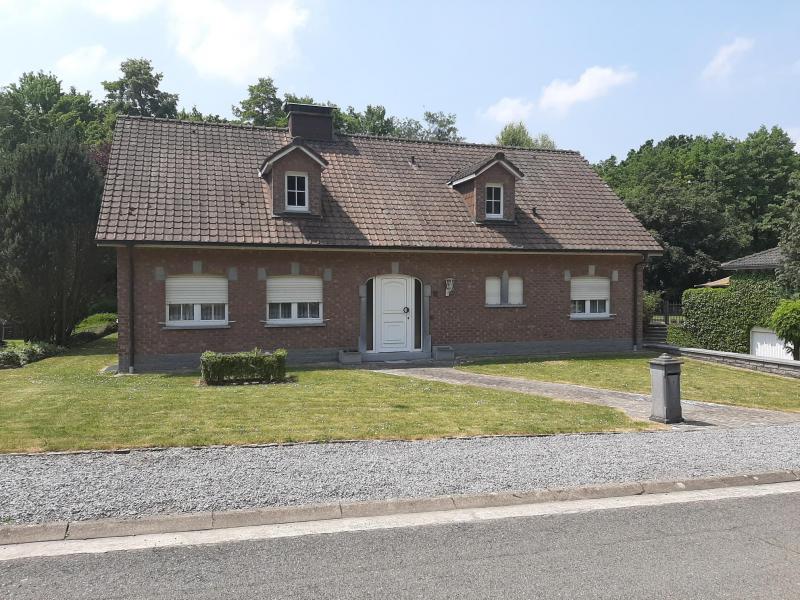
(406, 309)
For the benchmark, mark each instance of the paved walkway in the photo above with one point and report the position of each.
(636, 406)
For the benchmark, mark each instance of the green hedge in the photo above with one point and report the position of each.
(28, 352)
(243, 367)
(721, 318)
(678, 336)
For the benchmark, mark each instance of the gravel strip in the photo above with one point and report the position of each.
(44, 487)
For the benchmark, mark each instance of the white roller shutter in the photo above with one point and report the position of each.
(294, 289)
(590, 288)
(515, 290)
(492, 290)
(197, 289)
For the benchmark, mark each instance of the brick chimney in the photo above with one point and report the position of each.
(310, 121)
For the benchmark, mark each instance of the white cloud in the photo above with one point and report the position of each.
(507, 110)
(234, 40)
(594, 82)
(121, 11)
(236, 44)
(726, 58)
(86, 67)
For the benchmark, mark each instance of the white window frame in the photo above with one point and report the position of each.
(289, 208)
(196, 320)
(521, 290)
(587, 313)
(486, 200)
(295, 319)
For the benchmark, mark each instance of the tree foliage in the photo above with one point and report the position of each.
(37, 104)
(137, 92)
(264, 106)
(789, 273)
(49, 200)
(706, 199)
(785, 321)
(517, 134)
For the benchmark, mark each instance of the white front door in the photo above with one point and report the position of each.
(394, 313)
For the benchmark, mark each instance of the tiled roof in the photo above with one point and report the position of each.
(174, 181)
(765, 260)
(475, 168)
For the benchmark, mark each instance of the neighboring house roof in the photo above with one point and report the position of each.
(765, 260)
(173, 181)
(717, 283)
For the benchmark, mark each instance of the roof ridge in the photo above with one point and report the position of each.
(203, 123)
(389, 138)
(451, 143)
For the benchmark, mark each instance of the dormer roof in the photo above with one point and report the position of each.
(297, 144)
(475, 169)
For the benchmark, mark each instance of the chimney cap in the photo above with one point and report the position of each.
(314, 109)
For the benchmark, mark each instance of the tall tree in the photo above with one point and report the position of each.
(517, 134)
(262, 106)
(37, 104)
(735, 199)
(441, 127)
(137, 92)
(49, 199)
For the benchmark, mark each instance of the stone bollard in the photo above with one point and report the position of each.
(665, 377)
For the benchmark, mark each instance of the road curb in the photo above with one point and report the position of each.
(103, 528)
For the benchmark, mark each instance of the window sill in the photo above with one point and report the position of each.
(269, 324)
(505, 305)
(592, 317)
(169, 326)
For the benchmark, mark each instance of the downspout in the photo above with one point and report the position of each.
(131, 319)
(635, 335)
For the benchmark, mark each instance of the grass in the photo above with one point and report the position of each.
(65, 403)
(97, 323)
(630, 373)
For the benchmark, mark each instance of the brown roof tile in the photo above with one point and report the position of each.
(182, 182)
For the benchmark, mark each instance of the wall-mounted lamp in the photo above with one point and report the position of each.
(449, 285)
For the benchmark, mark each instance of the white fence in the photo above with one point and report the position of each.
(764, 343)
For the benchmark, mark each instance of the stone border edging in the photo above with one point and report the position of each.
(103, 528)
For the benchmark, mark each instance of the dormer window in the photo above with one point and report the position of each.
(296, 191)
(494, 201)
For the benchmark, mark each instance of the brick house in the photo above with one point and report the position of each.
(232, 237)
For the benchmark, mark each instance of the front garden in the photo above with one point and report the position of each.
(67, 403)
(701, 381)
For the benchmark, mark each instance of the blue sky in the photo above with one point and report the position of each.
(599, 77)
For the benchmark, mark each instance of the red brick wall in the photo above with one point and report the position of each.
(276, 182)
(458, 319)
(496, 174)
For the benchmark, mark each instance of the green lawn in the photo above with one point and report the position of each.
(630, 373)
(64, 403)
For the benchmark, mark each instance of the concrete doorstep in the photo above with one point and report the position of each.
(105, 528)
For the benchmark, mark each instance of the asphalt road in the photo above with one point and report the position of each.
(732, 548)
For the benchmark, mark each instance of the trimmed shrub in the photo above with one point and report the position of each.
(721, 318)
(243, 367)
(651, 302)
(9, 359)
(786, 323)
(33, 351)
(677, 335)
